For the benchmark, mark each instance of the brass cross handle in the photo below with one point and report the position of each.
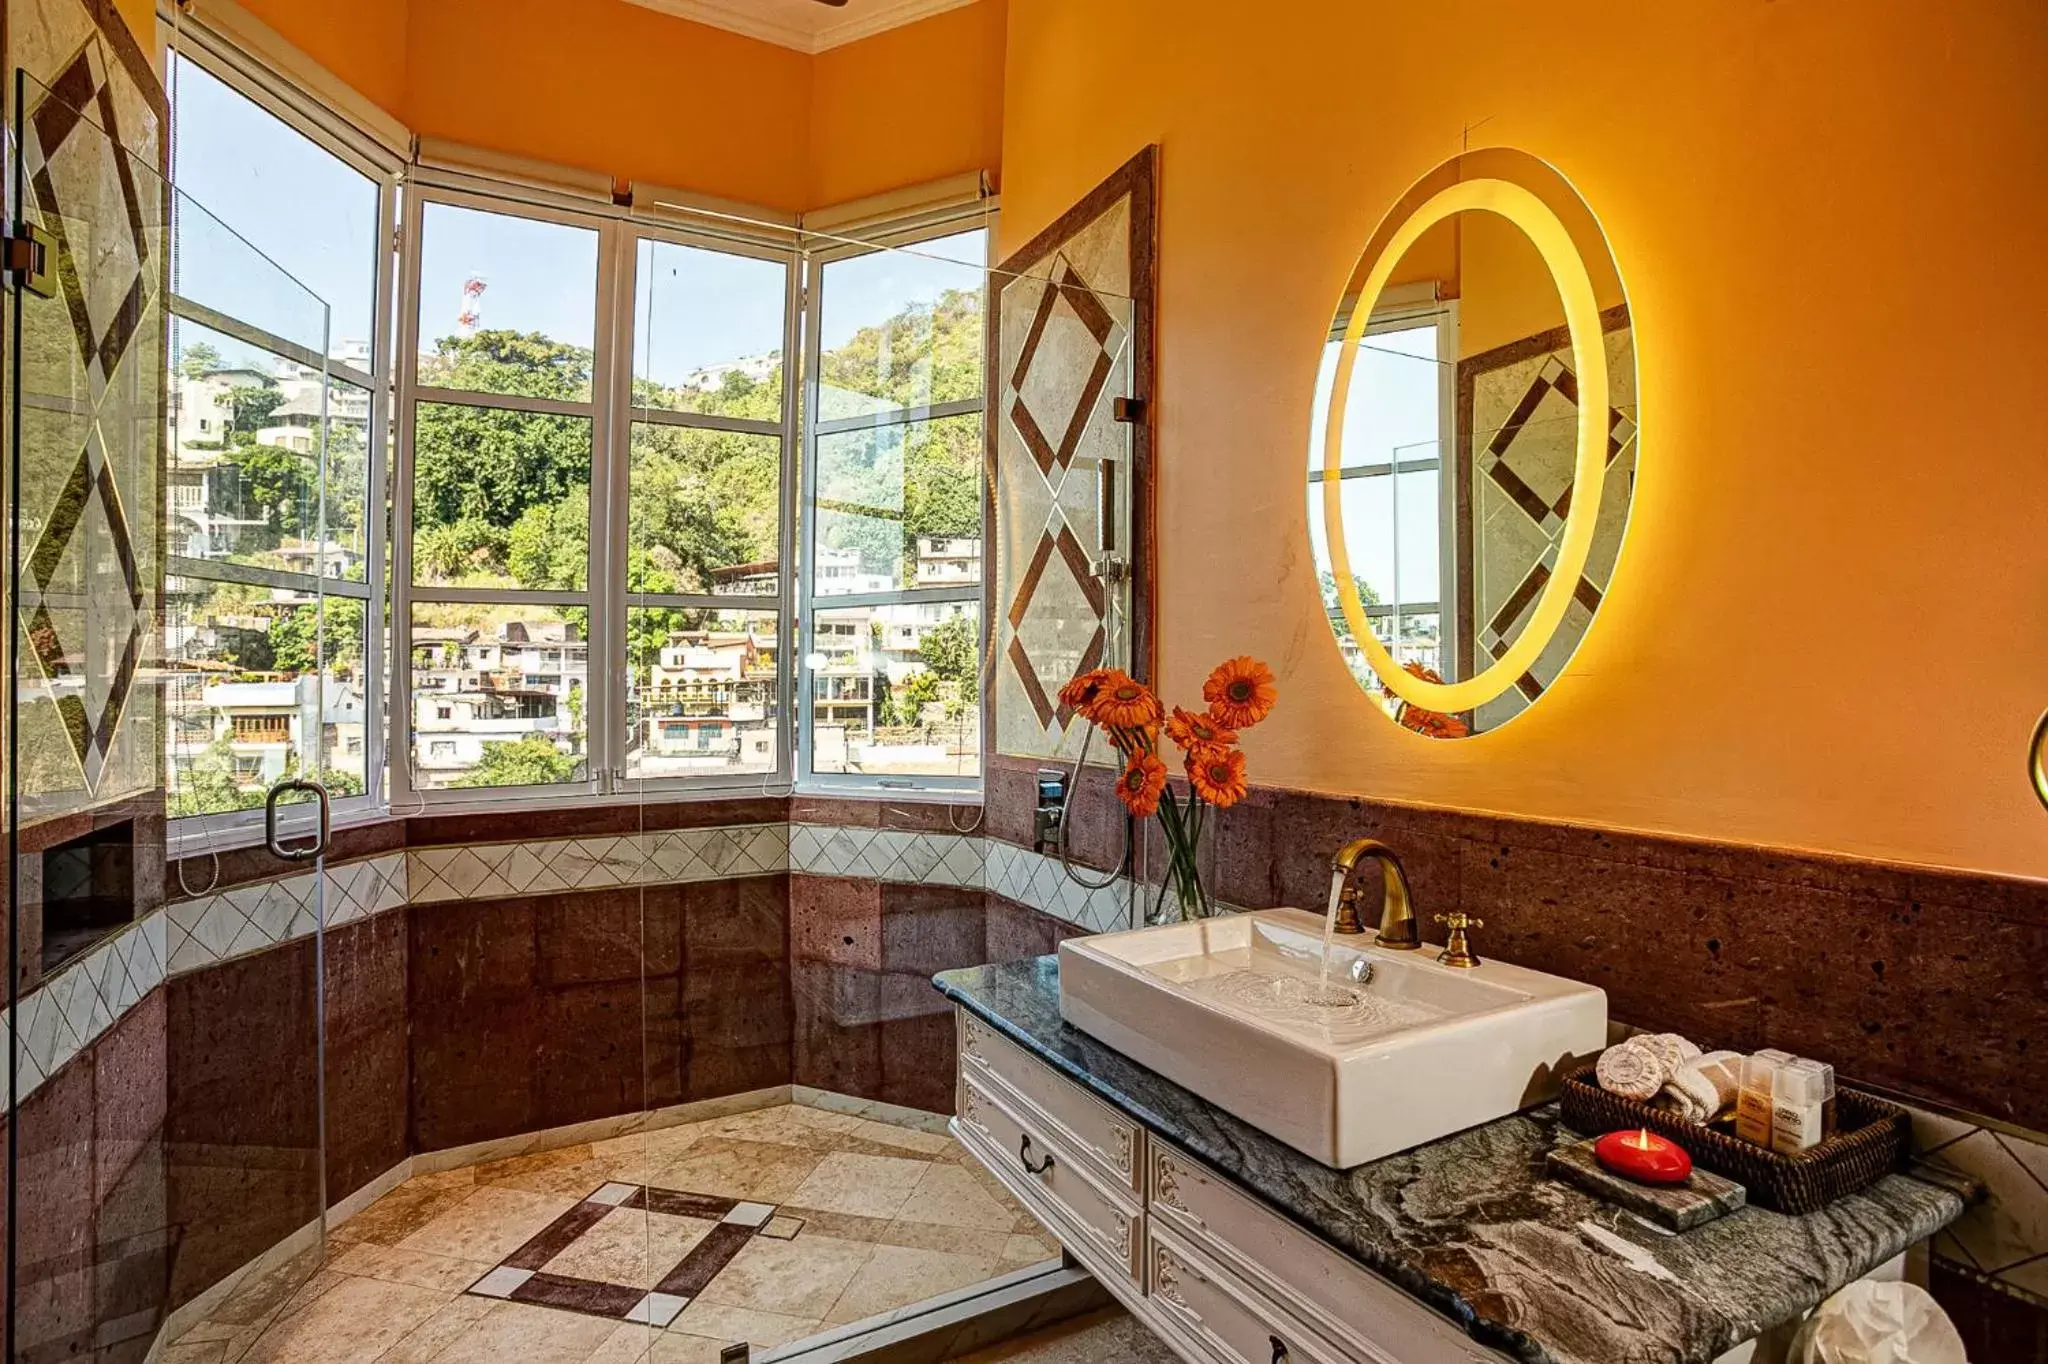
(1458, 952)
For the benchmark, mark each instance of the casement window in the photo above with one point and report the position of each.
(280, 261)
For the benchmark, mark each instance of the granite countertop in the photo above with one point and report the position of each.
(1473, 1226)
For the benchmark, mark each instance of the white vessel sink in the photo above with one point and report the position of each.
(1226, 1007)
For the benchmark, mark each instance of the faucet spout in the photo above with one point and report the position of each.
(1398, 927)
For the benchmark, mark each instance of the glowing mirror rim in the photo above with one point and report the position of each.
(1589, 357)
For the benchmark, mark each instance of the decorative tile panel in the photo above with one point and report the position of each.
(70, 1010)
(930, 859)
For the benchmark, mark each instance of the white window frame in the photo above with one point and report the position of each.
(597, 598)
(624, 416)
(926, 228)
(370, 157)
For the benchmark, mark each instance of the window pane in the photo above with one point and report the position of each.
(507, 305)
(499, 695)
(293, 200)
(244, 476)
(344, 699)
(348, 483)
(707, 329)
(706, 511)
(899, 506)
(894, 690)
(902, 329)
(704, 698)
(500, 499)
(244, 695)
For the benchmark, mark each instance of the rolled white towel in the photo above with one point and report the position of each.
(1704, 1086)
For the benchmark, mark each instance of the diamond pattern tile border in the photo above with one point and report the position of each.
(523, 1275)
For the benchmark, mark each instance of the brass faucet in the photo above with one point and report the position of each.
(1398, 928)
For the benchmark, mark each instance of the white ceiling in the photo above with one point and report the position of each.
(804, 25)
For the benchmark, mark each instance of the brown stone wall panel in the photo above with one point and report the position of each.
(1996, 1327)
(936, 817)
(1012, 932)
(919, 1060)
(600, 936)
(240, 866)
(56, 1247)
(836, 1038)
(242, 1127)
(836, 919)
(592, 821)
(474, 1020)
(590, 1059)
(1095, 835)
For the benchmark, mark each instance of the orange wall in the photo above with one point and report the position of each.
(609, 86)
(914, 104)
(1830, 624)
(641, 95)
(362, 41)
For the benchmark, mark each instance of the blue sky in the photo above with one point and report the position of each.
(273, 229)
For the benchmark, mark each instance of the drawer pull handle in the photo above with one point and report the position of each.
(1043, 1168)
(1279, 1350)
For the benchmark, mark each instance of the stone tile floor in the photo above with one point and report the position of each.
(764, 1226)
(1108, 1336)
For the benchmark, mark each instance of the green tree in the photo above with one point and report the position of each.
(197, 360)
(206, 785)
(250, 407)
(949, 650)
(292, 645)
(1327, 581)
(919, 691)
(280, 488)
(531, 761)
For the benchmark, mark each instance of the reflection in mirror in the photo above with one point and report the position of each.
(1454, 470)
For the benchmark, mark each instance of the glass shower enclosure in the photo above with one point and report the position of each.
(166, 403)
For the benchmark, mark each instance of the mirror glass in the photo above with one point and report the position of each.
(1478, 508)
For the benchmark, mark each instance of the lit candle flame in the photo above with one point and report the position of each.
(1642, 1141)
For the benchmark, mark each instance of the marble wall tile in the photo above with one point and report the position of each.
(242, 1127)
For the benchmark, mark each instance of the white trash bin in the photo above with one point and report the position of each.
(1878, 1323)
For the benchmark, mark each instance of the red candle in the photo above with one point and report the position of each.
(1643, 1156)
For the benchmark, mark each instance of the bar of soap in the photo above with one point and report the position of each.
(1680, 1207)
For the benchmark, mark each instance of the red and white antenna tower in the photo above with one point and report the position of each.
(472, 315)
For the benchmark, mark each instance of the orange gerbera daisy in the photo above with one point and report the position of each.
(1217, 775)
(1139, 786)
(1121, 703)
(1081, 690)
(1241, 692)
(1191, 730)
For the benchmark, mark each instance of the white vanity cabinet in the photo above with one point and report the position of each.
(1220, 1278)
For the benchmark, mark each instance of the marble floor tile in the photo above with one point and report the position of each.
(404, 1210)
(195, 1352)
(800, 1278)
(358, 1320)
(896, 1276)
(671, 1347)
(906, 1138)
(1022, 1249)
(503, 1171)
(953, 1197)
(723, 1322)
(396, 1264)
(427, 1340)
(517, 1331)
(983, 1242)
(765, 1172)
(628, 1246)
(487, 1226)
(627, 1344)
(867, 1186)
(1110, 1336)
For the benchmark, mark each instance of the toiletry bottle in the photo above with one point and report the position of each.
(1798, 1106)
(1824, 1081)
(1759, 1092)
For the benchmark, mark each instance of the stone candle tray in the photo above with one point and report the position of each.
(1869, 1143)
(1680, 1207)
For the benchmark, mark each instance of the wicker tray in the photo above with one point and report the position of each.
(1869, 1143)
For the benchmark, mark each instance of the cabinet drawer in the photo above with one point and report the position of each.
(1037, 1161)
(1096, 1131)
(1225, 1317)
(1307, 1277)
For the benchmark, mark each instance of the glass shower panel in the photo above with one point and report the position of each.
(163, 1029)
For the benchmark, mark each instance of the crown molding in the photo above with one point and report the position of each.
(830, 27)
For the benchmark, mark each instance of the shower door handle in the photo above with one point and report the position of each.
(302, 852)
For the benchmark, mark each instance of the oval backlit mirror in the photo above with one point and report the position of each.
(1473, 447)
